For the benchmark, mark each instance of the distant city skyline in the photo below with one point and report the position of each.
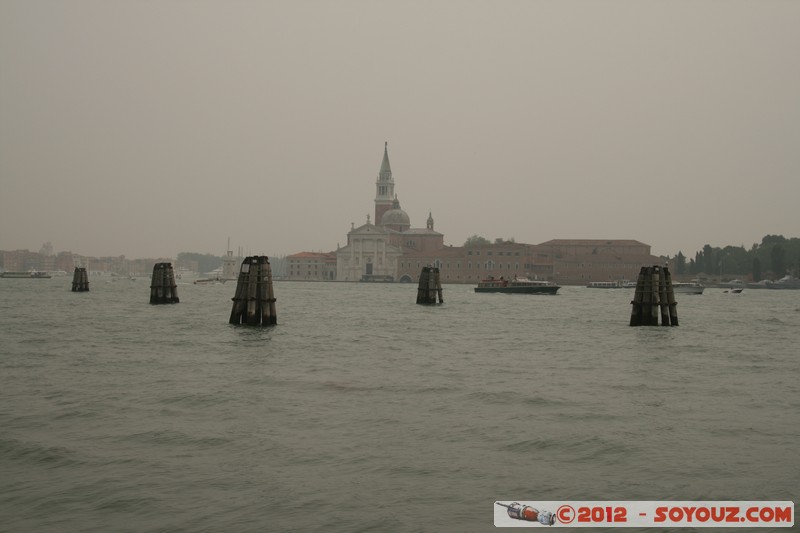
(675, 124)
(244, 251)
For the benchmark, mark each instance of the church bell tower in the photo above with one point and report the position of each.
(384, 187)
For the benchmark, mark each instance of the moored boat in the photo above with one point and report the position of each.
(31, 274)
(618, 284)
(209, 281)
(517, 286)
(691, 287)
(376, 278)
(786, 282)
(733, 284)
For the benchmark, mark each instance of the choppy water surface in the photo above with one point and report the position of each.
(362, 411)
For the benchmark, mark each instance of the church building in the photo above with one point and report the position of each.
(373, 249)
(387, 248)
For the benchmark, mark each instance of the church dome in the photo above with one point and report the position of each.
(396, 217)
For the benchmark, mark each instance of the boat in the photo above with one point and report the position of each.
(376, 278)
(209, 281)
(786, 282)
(690, 287)
(618, 284)
(226, 272)
(733, 284)
(30, 274)
(516, 286)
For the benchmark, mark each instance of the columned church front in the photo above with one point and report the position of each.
(368, 255)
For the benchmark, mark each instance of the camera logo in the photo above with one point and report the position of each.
(528, 513)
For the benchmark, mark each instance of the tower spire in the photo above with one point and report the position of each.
(384, 186)
(385, 173)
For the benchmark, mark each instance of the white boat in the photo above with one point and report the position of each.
(618, 284)
(30, 274)
(227, 272)
(733, 284)
(691, 287)
(786, 282)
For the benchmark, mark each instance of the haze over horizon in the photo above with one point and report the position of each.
(153, 128)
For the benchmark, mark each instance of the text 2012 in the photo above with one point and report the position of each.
(606, 515)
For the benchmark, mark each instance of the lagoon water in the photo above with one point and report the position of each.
(362, 411)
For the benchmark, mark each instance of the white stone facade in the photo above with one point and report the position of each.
(368, 253)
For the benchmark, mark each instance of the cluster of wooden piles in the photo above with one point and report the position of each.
(254, 301)
(163, 289)
(654, 293)
(80, 280)
(430, 286)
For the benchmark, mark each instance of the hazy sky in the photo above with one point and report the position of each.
(147, 128)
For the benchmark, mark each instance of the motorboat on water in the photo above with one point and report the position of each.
(786, 282)
(209, 281)
(617, 284)
(516, 286)
(30, 274)
(689, 287)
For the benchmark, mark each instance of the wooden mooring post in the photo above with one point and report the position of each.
(654, 294)
(80, 280)
(429, 286)
(254, 301)
(163, 289)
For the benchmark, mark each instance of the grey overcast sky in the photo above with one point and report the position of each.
(147, 128)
